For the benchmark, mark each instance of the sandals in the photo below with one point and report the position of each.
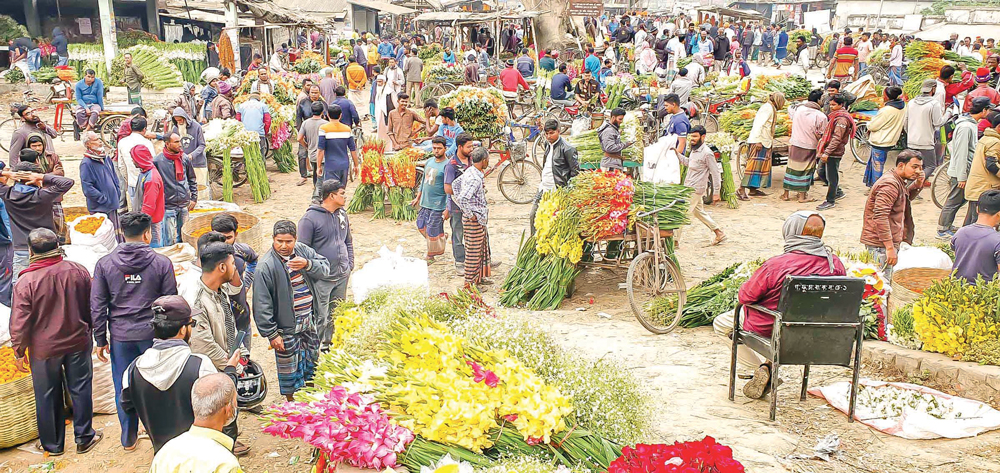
(742, 196)
(757, 193)
(718, 240)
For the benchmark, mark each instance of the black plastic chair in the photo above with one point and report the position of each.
(818, 322)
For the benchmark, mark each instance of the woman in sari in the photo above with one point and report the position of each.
(757, 173)
(385, 102)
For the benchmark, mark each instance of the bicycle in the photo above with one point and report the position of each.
(359, 136)
(12, 124)
(518, 178)
(709, 107)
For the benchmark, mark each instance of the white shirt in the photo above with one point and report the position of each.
(730, 34)
(125, 155)
(640, 36)
(670, 28)
(394, 78)
(275, 63)
(696, 72)
(548, 178)
(804, 58)
(676, 48)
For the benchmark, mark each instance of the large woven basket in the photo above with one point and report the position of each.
(17, 413)
(252, 236)
(908, 284)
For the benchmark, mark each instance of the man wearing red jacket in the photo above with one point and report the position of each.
(947, 90)
(511, 78)
(982, 89)
(149, 192)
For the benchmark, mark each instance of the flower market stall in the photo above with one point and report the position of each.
(405, 367)
(391, 176)
(163, 64)
(482, 112)
(225, 140)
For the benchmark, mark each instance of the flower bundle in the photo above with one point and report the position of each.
(604, 199)
(632, 132)
(346, 427)
(372, 177)
(557, 226)
(307, 65)
(738, 121)
(400, 178)
(708, 299)
(704, 456)
(223, 136)
(923, 49)
(874, 299)
(953, 316)
(926, 68)
(443, 72)
(482, 112)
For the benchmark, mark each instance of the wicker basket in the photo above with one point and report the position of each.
(908, 284)
(253, 236)
(17, 413)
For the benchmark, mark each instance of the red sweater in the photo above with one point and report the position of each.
(152, 196)
(764, 286)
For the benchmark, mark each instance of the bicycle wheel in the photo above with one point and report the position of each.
(7, 129)
(860, 147)
(879, 75)
(940, 185)
(109, 130)
(656, 292)
(742, 156)
(560, 115)
(538, 150)
(519, 180)
(711, 124)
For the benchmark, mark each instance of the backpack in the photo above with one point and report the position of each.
(744, 69)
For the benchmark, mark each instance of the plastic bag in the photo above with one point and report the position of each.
(390, 269)
(660, 164)
(103, 237)
(4, 324)
(580, 125)
(178, 253)
(205, 207)
(87, 256)
(922, 257)
(103, 387)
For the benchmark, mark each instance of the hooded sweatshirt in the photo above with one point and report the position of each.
(100, 183)
(60, 42)
(126, 282)
(887, 125)
(178, 191)
(157, 388)
(149, 187)
(192, 138)
(330, 235)
(30, 207)
(924, 117)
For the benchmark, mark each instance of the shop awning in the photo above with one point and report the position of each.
(455, 16)
(382, 7)
(199, 15)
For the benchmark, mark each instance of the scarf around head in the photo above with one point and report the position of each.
(796, 241)
(178, 162)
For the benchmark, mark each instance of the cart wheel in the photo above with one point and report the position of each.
(109, 130)
(941, 185)
(711, 124)
(742, 156)
(519, 180)
(859, 144)
(7, 129)
(656, 292)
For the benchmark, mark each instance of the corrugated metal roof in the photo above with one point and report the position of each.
(314, 6)
(383, 7)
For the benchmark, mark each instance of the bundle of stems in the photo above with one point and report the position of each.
(256, 173)
(227, 175)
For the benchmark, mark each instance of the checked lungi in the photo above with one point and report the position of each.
(757, 173)
(297, 363)
(477, 250)
(800, 168)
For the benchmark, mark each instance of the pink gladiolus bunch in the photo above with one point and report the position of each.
(481, 375)
(280, 136)
(705, 456)
(346, 427)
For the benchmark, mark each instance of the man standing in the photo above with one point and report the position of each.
(360, 54)
(193, 145)
(309, 137)
(329, 83)
(89, 93)
(326, 229)
(511, 79)
(682, 87)
(33, 125)
(780, 45)
(832, 145)
(610, 137)
(413, 69)
(982, 89)
(256, 117)
(884, 132)
(865, 48)
(896, 63)
(29, 202)
(98, 179)
(678, 125)
(808, 126)
(126, 282)
(845, 61)
(802, 58)
(560, 165)
(432, 199)
(470, 197)
(456, 166)
(923, 120)
(204, 447)
(401, 124)
(126, 167)
(394, 78)
(222, 104)
(984, 174)
(285, 304)
(133, 81)
(348, 112)
(180, 189)
(887, 219)
(701, 166)
(963, 148)
(357, 79)
(720, 51)
(61, 44)
(335, 144)
(50, 328)
(977, 246)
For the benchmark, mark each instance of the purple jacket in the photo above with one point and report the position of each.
(126, 282)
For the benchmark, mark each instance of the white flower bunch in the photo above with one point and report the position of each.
(285, 114)
(86, 52)
(632, 131)
(226, 134)
(723, 141)
(890, 402)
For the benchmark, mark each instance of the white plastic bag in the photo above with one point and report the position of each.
(4, 324)
(216, 205)
(390, 269)
(87, 256)
(922, 257)
(104, 236)
(580, 125)
(103, 387)
(660, 164)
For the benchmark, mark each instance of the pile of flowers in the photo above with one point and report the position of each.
(959, 319)
(482, 112)
(891, 402)
(282, 128)
(874, 299)
(704, 456)
(8, 370)
(632, 132)
(345, 427)
(393, 176)
(604, 199)
(443, 72)
(285, 89)
(222, 137)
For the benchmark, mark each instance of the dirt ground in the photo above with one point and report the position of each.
(686, 371)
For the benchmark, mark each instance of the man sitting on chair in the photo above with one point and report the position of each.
(805, 255)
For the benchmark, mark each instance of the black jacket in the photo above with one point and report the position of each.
(564, 161)
(176, 193)
(272, 290)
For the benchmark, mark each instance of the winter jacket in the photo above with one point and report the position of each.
(884, 130)
(963, 147)
(273, 310)
(193, 140)
(329, 234)
(50, 314)
(149, 192)
(348, 112)
(60, 42)
(985, 171)
(887, 214)
(100, 184)
(924, 117)
(565, 164)
(984, 90)
(841, 131)
(210, 335)
(126, 282)
(176, 193)
(19, 141)
(412, 70)
(30, 207)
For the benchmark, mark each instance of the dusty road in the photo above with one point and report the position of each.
(686, 371)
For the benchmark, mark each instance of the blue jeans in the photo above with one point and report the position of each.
(122, 355)
(20, 264)
(156, 240)
(63, 60)
(173, 222)
(34, 59)
(862, 67)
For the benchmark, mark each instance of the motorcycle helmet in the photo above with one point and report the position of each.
(251, 386)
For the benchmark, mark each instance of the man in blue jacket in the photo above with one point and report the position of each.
(180, 188)
(326, 229)
(125, 284)
(99, 179)
(348, 112)
(89, 93)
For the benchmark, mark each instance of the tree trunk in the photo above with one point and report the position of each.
(555, 24)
